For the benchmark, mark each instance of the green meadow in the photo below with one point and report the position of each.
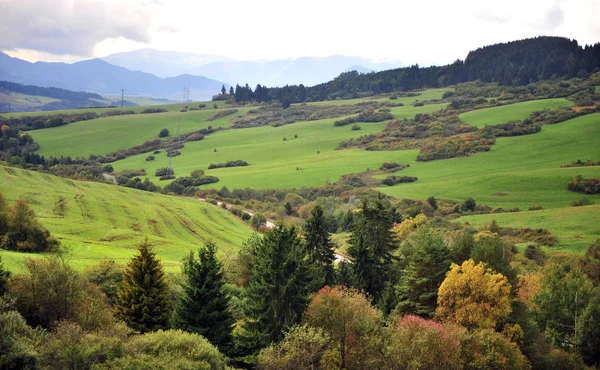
(575, 227)
(308, 160)
(104, 135)
(511, 112)
(519, 171)
(107, 222)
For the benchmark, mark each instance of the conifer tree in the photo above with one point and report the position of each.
(426, 269)
(318, 243)
(143, 300)
(282, 279)
(371, 245)
(203, 307)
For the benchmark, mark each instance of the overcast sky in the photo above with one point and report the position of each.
(423, 31)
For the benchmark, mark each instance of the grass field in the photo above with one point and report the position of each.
(276, 163)
(144, 101)
(511, 112)
(519, 171)
(104, 135)
(23, 101)
(106, 221)
(424, 95)
(576, 227)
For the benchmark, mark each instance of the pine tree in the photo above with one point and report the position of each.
(143, 300)
(318, 243)
(223, 90)
(203, 307)
(278, 293)
(371, 245)
(231, 91)
(426, 270)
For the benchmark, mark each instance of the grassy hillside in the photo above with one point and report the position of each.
(104, 135)
(511, 112)
(106, 221)
(576, 227)
(308, 160)
(23, 101)
(519, 171)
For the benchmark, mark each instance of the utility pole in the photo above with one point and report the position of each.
(122, 97)
(171, 149)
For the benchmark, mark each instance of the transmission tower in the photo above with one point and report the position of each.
(122, 97)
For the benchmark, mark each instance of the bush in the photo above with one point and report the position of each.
(150, 158)
(355, 127)
(163, 133)
(108, 168)
(238, 163)
(164, 171)
(393, 180)
(184, 183)
(153, 110)
(588, 185)
(581, 202)
(468, 205)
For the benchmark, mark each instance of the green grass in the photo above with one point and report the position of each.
(423, 96)
(104, 135)
(597, 90)
(576, 227)
(23, 101)
(170, 107)
(518, 172)
(144, 101)
(276, 163)
(106, 221)
(511, 112)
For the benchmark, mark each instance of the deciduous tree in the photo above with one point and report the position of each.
(474, 297)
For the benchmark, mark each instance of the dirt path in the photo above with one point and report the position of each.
(270, 224)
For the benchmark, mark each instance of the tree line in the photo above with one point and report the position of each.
(514, 63)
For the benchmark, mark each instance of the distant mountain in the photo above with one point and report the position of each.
(160, 63)
(307, 70)
(359, 69)
(99, 76)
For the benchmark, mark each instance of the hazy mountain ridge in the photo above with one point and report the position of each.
(99, 76)
(305, 70)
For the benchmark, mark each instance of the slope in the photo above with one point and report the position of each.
(106, 221)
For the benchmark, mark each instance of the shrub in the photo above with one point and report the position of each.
(153, 110)
(588, 185)
(184, 183)
(393, 180)
(108, 168)
(150, 158)
(355, 127)
(581, 202)
(237, 163)
(164, 171)
(163, 133)
(468, 205)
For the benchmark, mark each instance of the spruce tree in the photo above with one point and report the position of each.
(278, 293)
(203, 308)
(371, 245)
(425, 271)
(318, 243)
(143, 301)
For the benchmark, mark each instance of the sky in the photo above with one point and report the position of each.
(424, 31)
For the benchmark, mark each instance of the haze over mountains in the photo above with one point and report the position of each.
(306, 70)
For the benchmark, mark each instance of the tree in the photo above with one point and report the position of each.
(107, 276)
(591, 263)
(588, 333)
(318, 242)
(371, 245)
(231, 91)
(4, 275)
(563, 296)
(426, 269)
(468, 205)
(285, 103)
(491, 249)
(288, 209)
(203, 307)
(163, 133)
(349, 319)
(432, 202)
(258, 220)
(282, 279)
(474, 297)
(223, 90)
(143, 300)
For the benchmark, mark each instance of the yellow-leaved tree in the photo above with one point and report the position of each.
(473, 296)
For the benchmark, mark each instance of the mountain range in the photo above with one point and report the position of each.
(306, 70)
(99, 76)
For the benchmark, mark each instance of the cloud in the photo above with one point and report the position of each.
(555, 17)
(70, 26)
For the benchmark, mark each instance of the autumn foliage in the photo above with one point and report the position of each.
(473, 296)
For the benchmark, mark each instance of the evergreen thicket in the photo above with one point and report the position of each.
(143, 300)
(513, 63)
